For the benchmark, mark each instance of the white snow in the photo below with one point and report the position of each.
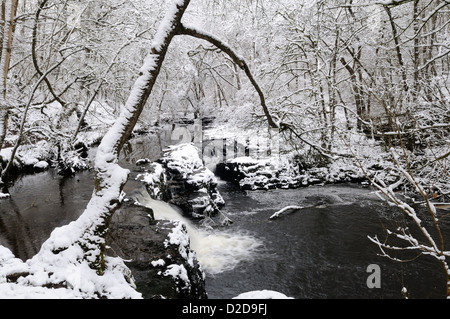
(166, 25)
(262, 294)
(179, 237)
(185, 157)
(152, 179)
(80, 281)
(158, 263)
(10, 265)
(283, 210)
(178, 272)
(41, 165)
(10, 291)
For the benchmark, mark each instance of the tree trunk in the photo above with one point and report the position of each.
(9, 30)
(3, 123)
(398, 50)
(89, 231)
(356, 92)
(9, 9)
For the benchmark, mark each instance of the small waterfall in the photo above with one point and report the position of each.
(217, 250)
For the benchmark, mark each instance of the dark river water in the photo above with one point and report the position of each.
(322, 251)
(318, 252)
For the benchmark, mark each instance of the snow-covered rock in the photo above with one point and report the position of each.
(41, 165)
(262, 294)
(157, 252)
(30, 280)
(284, 173)
(180, 178)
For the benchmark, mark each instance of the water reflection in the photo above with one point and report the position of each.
(15, 233)
(38, 204)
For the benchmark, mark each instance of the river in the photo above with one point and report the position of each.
(318, 252)
(322, 251)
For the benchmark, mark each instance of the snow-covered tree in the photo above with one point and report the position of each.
(81, 245)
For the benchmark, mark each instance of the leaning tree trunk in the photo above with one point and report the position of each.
(86, 235)
(83, 241)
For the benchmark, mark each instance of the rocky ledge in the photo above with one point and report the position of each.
(181, 179)
(157, 252)
(255, 174)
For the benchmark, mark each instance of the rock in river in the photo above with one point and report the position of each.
(158, 254)
(180, 178)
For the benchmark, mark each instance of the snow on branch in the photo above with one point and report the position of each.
(393, 3)
(429, 246)
(412, 244)
(239, 60)
(284, 210)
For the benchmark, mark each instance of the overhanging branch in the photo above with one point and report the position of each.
(184, 30)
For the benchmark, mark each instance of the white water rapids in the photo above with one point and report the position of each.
(217, 250)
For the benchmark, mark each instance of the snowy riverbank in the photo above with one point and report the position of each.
(60, 276)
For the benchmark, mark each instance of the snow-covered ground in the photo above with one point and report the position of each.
(262, 294)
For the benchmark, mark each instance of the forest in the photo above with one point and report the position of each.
(365, 83)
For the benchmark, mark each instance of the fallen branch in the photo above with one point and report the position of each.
(284, 210)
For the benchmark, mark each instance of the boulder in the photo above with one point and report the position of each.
(285, 173)
(157, 252)
(181, 179)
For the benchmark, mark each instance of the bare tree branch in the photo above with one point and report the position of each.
(5, 171)
(184, 30)
(34, 57)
